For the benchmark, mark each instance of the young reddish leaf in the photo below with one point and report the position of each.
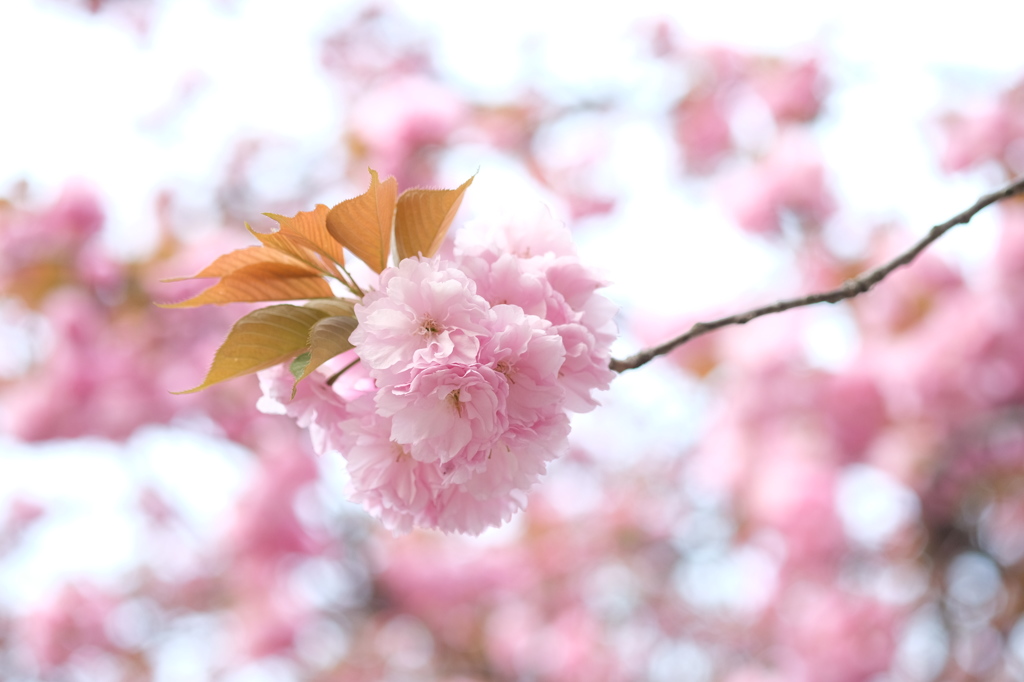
(240, 258)
(363, 224)
(305, 237)
(261, 339)
(312, 226)
(422, 219)
(262, 282)
(298, 249)
(327, 338)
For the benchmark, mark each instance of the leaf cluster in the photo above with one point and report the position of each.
(297, 262)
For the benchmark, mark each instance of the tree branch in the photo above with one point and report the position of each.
(849, 289)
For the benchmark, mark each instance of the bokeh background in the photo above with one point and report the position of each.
(831, 495)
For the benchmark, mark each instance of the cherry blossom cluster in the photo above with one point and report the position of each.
(467, 370)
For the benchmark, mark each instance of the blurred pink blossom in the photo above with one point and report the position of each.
(265, 527)
(400, 117)
(702, 129)
(982, 134)
(832, 636)
(791, 89)
(790, 181)
(72, 619)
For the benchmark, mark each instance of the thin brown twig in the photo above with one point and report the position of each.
(852, 287)
(334, 377)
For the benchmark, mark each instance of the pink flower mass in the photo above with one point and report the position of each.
(474, 364)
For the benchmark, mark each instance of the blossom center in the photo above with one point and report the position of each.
(400, 452)
(506, 368)
(453, 400)
(428, 327)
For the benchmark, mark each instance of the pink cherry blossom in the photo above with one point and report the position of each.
(520, 458)
(384, 477)
(404, 492)
(465, 397)
(546, 278)
(316, 406)
(470, 391)
(526, 350)
(448, 412)
(585, 368)
(526, 234)
(510, 280)
(458, 510)
(425, 311)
